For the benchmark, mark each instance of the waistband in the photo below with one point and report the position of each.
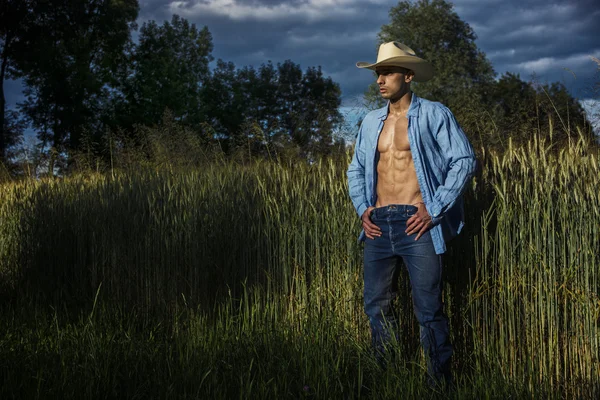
(398, 210)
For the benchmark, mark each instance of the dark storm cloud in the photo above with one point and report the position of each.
(154, 9)
(333, 34)
(551, 40)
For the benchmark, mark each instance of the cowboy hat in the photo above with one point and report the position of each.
(400, 55)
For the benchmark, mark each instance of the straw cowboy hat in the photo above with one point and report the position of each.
(400, 55)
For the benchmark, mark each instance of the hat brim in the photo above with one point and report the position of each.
(423, 69)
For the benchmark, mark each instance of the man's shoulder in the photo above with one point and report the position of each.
(376, 114)
(429, 106)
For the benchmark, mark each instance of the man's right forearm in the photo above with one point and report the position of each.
(356, 187)
(356, 177)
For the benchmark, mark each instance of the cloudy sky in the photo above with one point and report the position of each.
(549, 38)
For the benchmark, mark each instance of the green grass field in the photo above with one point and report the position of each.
(245, 281)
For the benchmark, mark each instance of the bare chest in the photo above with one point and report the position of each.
(394, 135)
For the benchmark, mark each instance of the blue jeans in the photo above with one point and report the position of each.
(424, 267)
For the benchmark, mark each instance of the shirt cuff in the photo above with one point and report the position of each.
(435, 212)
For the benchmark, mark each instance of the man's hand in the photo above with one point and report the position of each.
(371, 230)
(419, 222)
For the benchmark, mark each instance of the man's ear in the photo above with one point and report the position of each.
(409, 76)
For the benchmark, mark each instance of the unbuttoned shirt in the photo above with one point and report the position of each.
(444, 163)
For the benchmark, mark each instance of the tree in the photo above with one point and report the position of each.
(222, 106)
(436, 33)
(13, 129)
(241, 104)
(319, 115)
(170, 67)
(463, 75)
(289, 97)
(309, 105)
(258, 90)
(273, 105)
(14, 23)
(489, 111)
(513, 111)
(72, 53)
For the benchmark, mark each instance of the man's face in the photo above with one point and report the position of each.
(393, 82)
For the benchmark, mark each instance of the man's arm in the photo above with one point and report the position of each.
(357, 188)
(356, 175)
(461, 165)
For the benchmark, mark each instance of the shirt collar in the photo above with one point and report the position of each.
(413, 109)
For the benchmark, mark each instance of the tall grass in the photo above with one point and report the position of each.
(534, 303)
(245, 280)
(174, 236)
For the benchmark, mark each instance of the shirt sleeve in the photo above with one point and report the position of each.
(461, 165)
(356, 175)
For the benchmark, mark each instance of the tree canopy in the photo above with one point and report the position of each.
(490, 110)
(436, 33)
(68, 58)
(169, 67)
(87, 80)
(274, 106)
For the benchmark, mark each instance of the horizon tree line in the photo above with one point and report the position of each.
(86, 79)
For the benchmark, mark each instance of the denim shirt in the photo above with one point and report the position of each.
(443, 158)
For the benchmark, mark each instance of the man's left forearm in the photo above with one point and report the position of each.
(450, 191)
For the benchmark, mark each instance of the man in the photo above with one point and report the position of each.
(411, 164)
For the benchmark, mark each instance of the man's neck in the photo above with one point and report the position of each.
(400, 106)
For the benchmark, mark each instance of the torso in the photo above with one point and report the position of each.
(397, 180)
